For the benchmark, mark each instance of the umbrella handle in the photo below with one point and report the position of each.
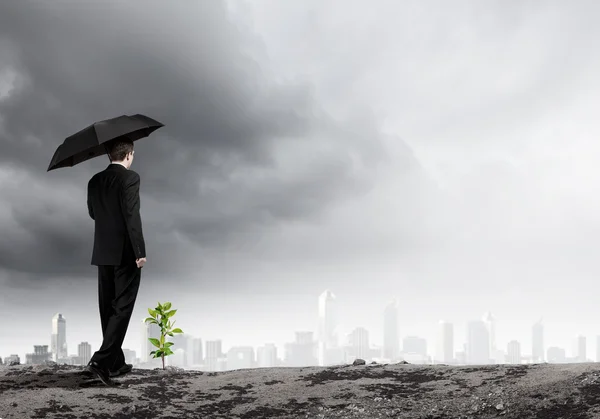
(107, 151)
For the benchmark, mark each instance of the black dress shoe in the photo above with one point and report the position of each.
(122, 371)
(101, 373)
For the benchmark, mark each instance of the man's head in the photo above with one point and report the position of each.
(121, 151)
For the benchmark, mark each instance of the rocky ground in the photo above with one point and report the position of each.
(541, 391)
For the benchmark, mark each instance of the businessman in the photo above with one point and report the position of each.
(119, 252)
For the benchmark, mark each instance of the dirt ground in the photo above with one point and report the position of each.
(540, 391)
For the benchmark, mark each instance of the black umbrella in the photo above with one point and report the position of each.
(91, 142)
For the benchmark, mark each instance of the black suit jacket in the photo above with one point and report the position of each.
(114, 205)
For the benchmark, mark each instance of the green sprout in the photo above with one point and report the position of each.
(161, 316)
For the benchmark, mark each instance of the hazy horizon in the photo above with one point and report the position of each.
(440, 153)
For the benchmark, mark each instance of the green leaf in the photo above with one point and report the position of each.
(168, 351)
(153, 313)
(171, 313)
(170, 333)
(155, 342)
(167, 306)
(158, 354)
(153, 352)
(177, 330)
(169, 344)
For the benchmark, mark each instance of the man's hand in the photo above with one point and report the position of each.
(140, 262)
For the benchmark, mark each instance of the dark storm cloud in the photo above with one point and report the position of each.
(218, 167)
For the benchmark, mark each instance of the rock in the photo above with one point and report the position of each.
(499, 406)
(50, 363)
(403, 362)
(359, 361)
(13, 363)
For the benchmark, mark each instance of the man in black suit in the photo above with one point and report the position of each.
(119, 252)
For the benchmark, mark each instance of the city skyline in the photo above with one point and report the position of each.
(481, 342)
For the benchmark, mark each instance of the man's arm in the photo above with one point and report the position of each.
(130, 205)
(89, 200)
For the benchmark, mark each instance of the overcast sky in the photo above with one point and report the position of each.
(444, 153)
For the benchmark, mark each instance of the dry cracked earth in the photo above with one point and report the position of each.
(540, 391)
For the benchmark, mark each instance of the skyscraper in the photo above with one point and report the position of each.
(513, 350)
(359, 343)
(391, 333)
(84, 352)
(580, 349)
(478, 346)
(197, 355)
(58, 342)
(328, 322)
(214, 351)
(537, 342)
(490, 324)
(445, 344)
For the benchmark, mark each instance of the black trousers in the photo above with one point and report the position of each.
(117, 291)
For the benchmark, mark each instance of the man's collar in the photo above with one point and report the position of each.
(116, 166)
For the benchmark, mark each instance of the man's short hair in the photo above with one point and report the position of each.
(118, 149)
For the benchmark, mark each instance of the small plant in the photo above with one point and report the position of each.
(160, 316)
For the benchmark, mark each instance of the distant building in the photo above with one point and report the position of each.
(240, 357)
(12, 358)
(391, 332)
(328, 344)
(58, 341)
(213, 353)
(177, 359)
(490, 324)
(478, 346)
(301, 352)
(84, 351)
(180, 341)
(359, 344)
(580, 349)
(414, 345)
(513, 350)
(197, 355)
(39, 356)
(445, 343)
(556, 355)
(266, 356)
(537, 342)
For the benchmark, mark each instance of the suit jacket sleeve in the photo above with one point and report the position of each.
(130, 205)
(89, 200)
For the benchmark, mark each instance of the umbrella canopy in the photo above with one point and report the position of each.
(91, 141)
